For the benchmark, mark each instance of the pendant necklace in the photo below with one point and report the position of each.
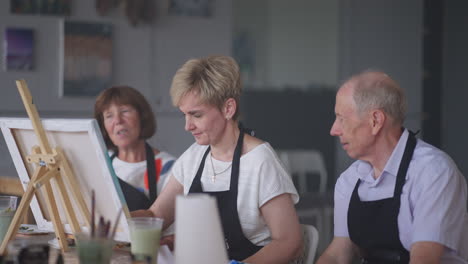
(213, 177)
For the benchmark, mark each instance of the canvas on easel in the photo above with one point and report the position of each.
(78, 142)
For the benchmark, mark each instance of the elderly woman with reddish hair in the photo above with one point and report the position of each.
(127, 122)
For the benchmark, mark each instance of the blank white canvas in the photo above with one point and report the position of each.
(84, 148)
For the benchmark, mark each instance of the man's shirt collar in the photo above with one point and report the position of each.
(366, 172)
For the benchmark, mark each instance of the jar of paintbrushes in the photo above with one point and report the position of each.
(96, 246)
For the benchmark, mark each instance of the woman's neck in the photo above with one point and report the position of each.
(134, 153)
(224, 149)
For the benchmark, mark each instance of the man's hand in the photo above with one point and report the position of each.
(340, 251)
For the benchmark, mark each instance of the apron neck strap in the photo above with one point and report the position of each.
(404, 164)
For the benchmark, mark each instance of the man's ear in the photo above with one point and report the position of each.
(377, 120)
(229, 108)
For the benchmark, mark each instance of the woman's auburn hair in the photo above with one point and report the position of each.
(125, 95)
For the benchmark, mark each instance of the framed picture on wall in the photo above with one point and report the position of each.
(198, 8)
(87, 58)
(19, 49)
(44, 7)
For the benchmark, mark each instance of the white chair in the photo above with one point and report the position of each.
(327, 221)
(301, 162)
(311, 237)
(314, 217)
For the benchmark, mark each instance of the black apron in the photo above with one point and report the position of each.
(373, 225)
(238, 246)
(137, 200)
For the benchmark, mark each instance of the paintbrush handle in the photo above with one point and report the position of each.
(93, 208)
(100, 230)
(116, 223)
(106, 229)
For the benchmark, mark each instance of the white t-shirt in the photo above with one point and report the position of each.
(134, 173)
(261, 178)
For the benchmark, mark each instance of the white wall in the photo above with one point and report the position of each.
(295, 42)
(303, 40)
(177, 39)
(145, 57)
(383, 35)
(251, 17)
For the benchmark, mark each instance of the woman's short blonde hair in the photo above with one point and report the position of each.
(215, 79)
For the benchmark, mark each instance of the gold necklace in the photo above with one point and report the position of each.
(213, 178)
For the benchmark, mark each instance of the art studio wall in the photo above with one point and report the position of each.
(145, 57)
(384, 35)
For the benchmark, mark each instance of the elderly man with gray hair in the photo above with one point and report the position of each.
(403, 200)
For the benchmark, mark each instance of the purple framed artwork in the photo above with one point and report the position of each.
(19, 49)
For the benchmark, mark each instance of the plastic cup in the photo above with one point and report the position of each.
(93, 250)
(145, 233)
(7, 211)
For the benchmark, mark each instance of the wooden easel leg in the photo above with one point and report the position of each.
(52, 206)
(71, 216)
(21, 210)
(54, 213)
(51, 203)
(77, 195)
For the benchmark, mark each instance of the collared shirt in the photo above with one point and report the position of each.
(433, 200)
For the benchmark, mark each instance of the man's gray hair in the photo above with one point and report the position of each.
(376, 90)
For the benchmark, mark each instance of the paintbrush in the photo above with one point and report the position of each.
(93, 205)
(100, 229)
(106, 229)
(116, 223)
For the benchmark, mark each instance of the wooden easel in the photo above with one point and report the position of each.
(50, 164)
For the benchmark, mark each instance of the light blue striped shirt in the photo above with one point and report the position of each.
(433, 200)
